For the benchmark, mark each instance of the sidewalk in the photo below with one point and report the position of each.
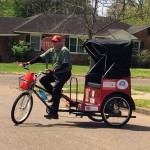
(141, 95)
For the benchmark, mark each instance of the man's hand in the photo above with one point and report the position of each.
(24, 64)
(52, 70)
(46, 70)
(49, 70)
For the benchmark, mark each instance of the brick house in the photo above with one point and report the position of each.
(73, 28)
(143, 35)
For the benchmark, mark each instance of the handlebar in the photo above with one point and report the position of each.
(26, 66)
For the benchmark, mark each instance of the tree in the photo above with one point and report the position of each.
(27, 8)
(6, 8)
(1, 8)
(130, 11)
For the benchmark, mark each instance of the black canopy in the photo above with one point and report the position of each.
(118, 54)
(119, 51)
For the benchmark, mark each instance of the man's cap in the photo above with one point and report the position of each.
(57, 38)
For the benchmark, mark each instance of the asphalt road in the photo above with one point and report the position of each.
(69, 132)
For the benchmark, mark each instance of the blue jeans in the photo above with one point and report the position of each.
(60, 79)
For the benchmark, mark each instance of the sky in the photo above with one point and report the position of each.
(103, 5)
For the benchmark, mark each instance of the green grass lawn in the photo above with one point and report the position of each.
(141, 88)
(142, 103)
(14, 68)
(76, 69)
(140, 73)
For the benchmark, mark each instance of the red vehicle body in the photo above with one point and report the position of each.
(94, 94)
(108, 79)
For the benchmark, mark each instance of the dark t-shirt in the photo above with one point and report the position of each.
(58, 58)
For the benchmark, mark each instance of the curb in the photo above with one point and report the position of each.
(141, 110)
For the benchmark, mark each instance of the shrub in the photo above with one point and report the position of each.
(21, 50)
(135, 61)
(145, 58)
(141, 60)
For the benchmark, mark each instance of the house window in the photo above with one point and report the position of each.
(76, 45)
(136, 47)
(73, 43)
(80, 48)
(35, 43)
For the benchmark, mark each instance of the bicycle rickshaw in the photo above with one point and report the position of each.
(107, 89)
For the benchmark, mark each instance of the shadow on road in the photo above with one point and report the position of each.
(92, 125)
(86, 125)
(136, 127)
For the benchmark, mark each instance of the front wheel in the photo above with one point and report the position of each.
(116, 111)
(21, 108)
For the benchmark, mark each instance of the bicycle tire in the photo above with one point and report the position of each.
(26, 104)
(116, 111)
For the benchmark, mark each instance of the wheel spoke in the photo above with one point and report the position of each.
(116, 111)
(21, 108)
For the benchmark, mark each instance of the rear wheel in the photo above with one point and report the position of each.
(116, 111)
(21, 108)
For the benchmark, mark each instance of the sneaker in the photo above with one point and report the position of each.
(51, 116)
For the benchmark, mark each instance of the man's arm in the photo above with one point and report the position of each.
(34, 60)
(63, 66)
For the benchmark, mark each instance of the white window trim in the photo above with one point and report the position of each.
(32, 35)
(77, 41)
(69, 44)
(139, 45)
